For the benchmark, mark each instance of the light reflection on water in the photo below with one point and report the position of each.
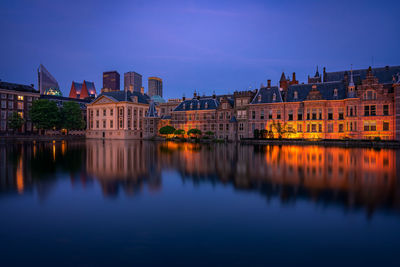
(249, 183)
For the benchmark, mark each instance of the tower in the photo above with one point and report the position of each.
(155, 87)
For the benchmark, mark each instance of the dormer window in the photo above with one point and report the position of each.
(206, 105)
(259, 98)
(335, 92)
(274, 97)
(183, 106)
(198, 105)
(191, 105)
(295, 95)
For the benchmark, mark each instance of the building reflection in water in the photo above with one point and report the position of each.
(353, 178)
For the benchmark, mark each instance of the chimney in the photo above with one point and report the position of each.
(269, 84)
(142, 90)
(194, 94)
(324, 72)
(183, 98)
(294, 77)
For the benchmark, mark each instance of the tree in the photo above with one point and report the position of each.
(45, 114)
(256, 134)
(179, 132)
(194, 132)
(15, 122)
(71, 116)
(167, 130)
(283, 129)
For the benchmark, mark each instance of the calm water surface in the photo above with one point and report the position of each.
(140, 203)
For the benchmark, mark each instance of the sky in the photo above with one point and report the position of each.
(207, 46)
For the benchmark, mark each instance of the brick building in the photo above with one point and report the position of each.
(16, 98)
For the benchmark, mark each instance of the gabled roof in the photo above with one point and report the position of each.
(120, 96)
(384, 75)
(326, 89)
(90, 87)
(193, 104)
(266, 95)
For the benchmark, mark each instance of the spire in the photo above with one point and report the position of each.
(316, 73)
(152, 112)
(283, 78)
(351, 83)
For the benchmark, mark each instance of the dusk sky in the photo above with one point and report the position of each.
(207, 46)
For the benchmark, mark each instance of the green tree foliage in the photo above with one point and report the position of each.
(256, 134)
(45, 114)
(179, 132)
(15, 122)
(167, 130)
(71, 116)
(194, 132)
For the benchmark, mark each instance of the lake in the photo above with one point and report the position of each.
(94, 203)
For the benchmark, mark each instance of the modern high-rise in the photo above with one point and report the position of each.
(155, 86)
(46, 82)
(111, 81)
(132, 81)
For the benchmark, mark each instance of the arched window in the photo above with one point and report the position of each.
(335, 92)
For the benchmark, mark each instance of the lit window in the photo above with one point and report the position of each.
(20, 97)
(296, 95)
(274, 97)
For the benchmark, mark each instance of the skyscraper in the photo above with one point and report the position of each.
(134, 80)
(46, 82)
(155, 86)
(111, 81)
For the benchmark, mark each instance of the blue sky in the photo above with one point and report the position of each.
(207, 46)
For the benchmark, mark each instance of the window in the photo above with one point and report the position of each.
(335, 92)
(320, 114)
(299, 114)
(308, 127)
(308, 114)
(253, 114)
(97, 112)
(373, 110)
(104, 124)
(341, 114)
(221, 127)
(20, 97)
(278, 114)
(10, 105)
(241, 127)
(320, 127)
(330, 114)
(227, 127)
(3, 104)
(11, 97)
(351, 111)
(274, 97)
(299, 128)
(314, 114)
(112, 112)
(3, 115)
(259, 98)
(369, 125)
(385, 110)
(341, 128)
(295, 95)
(104, 112)
(206, 105)
(270, 114)
(20, 105)
(97, 124)
(290, 115)
(330, 127)
(386, 126)
(370, 95)
(313, 128)
(3, 96)
(221, 115)
(262, 114)
(366, 110)
(111, 124)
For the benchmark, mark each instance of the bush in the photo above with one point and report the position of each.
(167, 130)
(194, 132)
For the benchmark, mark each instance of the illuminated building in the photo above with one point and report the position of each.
(155, 86)
(16, 98)
(82, 90)
(132, 81)
(47, 84)
(111, 81)
(117, 115)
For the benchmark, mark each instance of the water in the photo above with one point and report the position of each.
(141, 203)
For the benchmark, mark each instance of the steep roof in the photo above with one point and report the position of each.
(152, 111)
(17, 87)
(193, 104)
(119, 96)
(384, 75)
(266, 95)
(326, 90)
(90, 87)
